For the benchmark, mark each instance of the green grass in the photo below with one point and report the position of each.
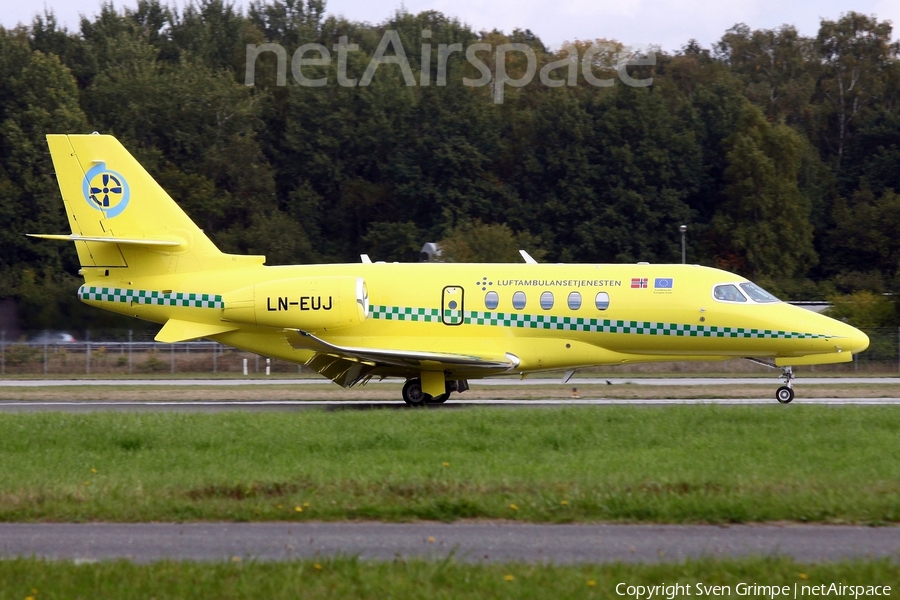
(349, 579)
(638, 464)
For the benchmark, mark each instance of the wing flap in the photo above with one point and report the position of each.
(346, 365)
(343, 371)
(302, 340)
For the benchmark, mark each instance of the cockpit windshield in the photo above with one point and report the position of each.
(739, 292)
(728, 293)
(757, 294)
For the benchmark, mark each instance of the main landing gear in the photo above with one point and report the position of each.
(414, 396)
(785, 393)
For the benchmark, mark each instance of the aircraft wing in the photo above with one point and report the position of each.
(346, 365)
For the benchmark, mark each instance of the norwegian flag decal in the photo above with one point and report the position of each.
(639, 282)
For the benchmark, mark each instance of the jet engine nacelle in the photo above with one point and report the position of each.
(307, 303)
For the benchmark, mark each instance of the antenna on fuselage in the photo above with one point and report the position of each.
(528, 259)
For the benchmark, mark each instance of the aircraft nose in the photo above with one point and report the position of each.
(843, 336)
(858, 340)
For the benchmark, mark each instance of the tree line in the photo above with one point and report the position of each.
(780, 152)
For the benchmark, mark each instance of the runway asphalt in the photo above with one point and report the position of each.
(773, 380)
(214, 406)
(472, 542)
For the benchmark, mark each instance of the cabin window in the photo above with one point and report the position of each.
(547, 300)
(574, 301)
(757, 294)
(728, 293)
(519, 300)
(491, 300)
(601, 300)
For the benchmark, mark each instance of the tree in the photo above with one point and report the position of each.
(288, 22)
(393, 242)
(863, 309)
(778, 68)
(763, 226)
(857, 54)
(872, 156)
(485, 243)
(40, 96)
(864, 235)
(601, 174)
(194, 128)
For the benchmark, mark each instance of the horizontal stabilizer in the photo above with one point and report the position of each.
(173, 241)
(182, 331)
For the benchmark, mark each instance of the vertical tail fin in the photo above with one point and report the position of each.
(121, 217)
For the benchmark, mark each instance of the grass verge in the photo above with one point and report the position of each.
(351, 579)
(639, 464)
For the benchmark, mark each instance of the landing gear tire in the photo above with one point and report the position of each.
(439, 399)
(413, 394)
(450, 386)
(784, 394)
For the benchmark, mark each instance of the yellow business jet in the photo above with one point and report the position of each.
(435, 325)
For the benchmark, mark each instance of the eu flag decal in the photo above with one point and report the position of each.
(663, 283)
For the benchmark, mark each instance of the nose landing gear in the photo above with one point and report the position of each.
(785, 393)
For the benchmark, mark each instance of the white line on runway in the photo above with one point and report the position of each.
(480, 382)
(239, 404)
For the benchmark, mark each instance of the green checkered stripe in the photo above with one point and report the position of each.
(584, 324)
(400, 313)
(636, 327)
(104, 294)
(453, 317)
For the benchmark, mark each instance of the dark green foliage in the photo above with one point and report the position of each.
(763, 226)
(864, 309)
(865, 233)
(780, 152)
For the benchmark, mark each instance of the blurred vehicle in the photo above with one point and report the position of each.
(53, 337)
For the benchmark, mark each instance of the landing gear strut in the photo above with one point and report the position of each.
(785, 393)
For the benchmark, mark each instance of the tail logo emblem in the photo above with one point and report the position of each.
(106, 190)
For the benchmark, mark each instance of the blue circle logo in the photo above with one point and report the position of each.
(106, 190)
